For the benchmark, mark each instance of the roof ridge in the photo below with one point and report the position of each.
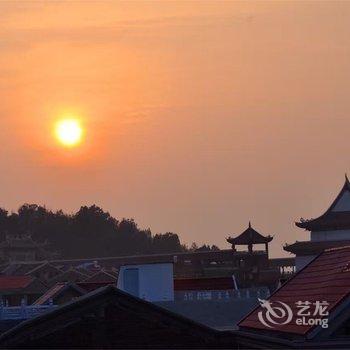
(337, 248)
(347, 179)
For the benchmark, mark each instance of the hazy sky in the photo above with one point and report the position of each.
(199, 116)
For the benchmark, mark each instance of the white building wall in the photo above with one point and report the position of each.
(343, 204)
(155, 281)
(335, 235)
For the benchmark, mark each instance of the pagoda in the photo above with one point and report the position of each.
(249, 237)
(330, 230)
(252, 267)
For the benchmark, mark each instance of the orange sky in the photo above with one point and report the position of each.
(199, 116)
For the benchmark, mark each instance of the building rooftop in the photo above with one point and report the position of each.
(313, 247)
(56, 290)
(134, 322)
(14, 282)
(336, 217)
(71, 275)
(325, 279)
(102, 277)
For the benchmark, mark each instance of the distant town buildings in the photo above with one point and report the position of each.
(21, 247)
(15, 290)
(202, 295)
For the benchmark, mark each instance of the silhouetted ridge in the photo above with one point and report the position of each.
(90, 232)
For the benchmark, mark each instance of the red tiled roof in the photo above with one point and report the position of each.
(14, 282)
(219, 283)
(326, 278)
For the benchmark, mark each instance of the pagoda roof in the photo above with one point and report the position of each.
(313, 247)
(336, 217)
(249, 236)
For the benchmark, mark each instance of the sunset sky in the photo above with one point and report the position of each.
(197, 116)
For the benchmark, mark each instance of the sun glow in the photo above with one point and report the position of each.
(69, 132)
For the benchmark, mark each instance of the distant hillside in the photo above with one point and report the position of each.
(89, 232)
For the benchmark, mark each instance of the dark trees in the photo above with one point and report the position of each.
(90, 232)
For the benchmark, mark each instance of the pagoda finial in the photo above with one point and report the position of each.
(250, 225)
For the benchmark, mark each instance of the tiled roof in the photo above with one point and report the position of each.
(330, 220)
(313, 247)
(326, 278)
(56, 290)
(136, 313)
(102, 276)
(14, 282)
(70, 275)
(50, 294)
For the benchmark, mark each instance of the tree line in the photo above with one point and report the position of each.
(90, 232)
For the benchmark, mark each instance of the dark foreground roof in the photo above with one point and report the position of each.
(333, 218)
(325, 279)
(249, 236)
(110, 318)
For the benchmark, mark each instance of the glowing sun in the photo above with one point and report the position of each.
(69, 132)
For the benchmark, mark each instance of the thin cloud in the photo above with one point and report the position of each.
(25, 38)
